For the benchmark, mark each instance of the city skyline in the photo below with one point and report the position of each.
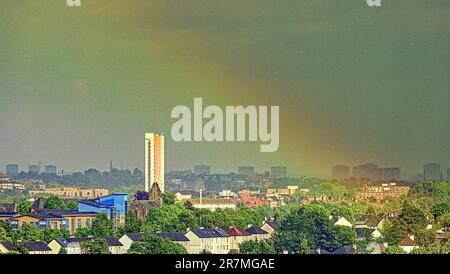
(354, 84)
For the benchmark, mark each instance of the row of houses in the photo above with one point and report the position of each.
(216, 241)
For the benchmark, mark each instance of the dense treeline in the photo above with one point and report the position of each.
(90, 178)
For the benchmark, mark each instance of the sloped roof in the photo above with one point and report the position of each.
(255, 230)
(361, 232)
(62, 242)
(345, 250)
(113, 241)
(8, 246)
(273, 224)
(135, 236)
(176, 237)
(408, 242)
(207, 233)
(234, 231)
(8, 214)
(36, 246)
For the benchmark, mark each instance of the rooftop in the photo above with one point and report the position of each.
(36, 246)
(176, 237)
(255, 230)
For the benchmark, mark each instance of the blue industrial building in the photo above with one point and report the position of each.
(114, 206)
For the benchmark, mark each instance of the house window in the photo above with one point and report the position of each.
(80, 223)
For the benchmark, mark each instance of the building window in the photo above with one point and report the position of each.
(80, 223)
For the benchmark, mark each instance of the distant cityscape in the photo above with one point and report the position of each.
(364, 208)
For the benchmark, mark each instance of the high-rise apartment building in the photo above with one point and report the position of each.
(278, 171)
(50, 169)
(432, 171)
(202, 169)
(34, 169)
(246, 171)
(154, 160)
(341, 172)
(12, 170)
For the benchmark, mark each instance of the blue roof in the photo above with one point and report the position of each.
(255, 230)
(36, 246)
(112, 241)
(8, 245)
(7, 214)
(176, 237)
(93, 203)
(209, 233)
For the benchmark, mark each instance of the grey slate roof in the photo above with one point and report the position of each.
(8, 246)
(176, 237)
(135, 236)
(209, 233)
(36, 246)
(255, 230)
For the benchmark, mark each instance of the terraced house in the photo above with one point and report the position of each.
(216, 241)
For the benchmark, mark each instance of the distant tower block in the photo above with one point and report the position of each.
(154, 161)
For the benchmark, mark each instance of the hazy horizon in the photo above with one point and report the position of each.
(80, 86)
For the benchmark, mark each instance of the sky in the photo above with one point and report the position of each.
(80, 86)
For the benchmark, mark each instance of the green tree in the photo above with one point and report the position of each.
(256, 247)
(97, 246)
(54, 202)
(49, 235)
(311, 223)
(72, 205)
(440, 209)
(168, 198)
(83, 232)
(29, 232)
(156, 245)
(342, 210)
(426, 237)
(24, 207)
(171, 218)
(20, 248)
(102, 226)
(132, 223)
(8, 234)
(393, 249)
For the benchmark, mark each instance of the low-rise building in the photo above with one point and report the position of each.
(213, 204)
(338, 220)
(382, 192)
(237, 237)
(73, 192)
(129, 238)
(257, 233)
(175, 237)
(408, 244)
(36, 247)
(270, 226)
(73, 245)
(6, 247)
(215, 241)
